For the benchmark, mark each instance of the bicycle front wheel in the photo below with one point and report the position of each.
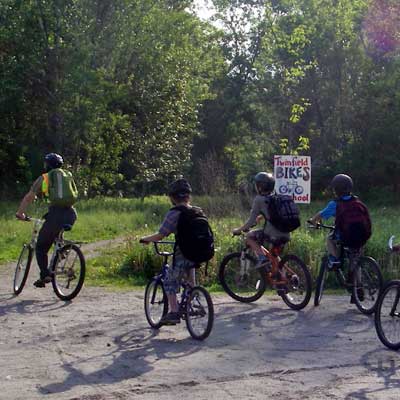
(68, 272)
(240, 279)
(297, 291)
(387, 315)
(319, 287)
(22, 268)
(199, 313)
(155, 303)
(367, 283)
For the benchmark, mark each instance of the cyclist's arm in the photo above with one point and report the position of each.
(328, 212)
(28, 199)
(152, 238)
(253, 218)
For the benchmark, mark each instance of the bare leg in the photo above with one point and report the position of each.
(331, 245)
(254, 246)
(173, 302)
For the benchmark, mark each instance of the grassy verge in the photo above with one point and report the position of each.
(134, 264)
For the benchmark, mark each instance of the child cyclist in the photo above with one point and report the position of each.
(179, 194)
(265, 184)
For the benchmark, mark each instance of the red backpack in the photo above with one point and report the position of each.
(353, 222)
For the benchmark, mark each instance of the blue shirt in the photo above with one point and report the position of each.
(330, 210)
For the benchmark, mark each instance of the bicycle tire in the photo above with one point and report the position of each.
(60, 270)
(295, 283)
(150, 294)
(371, 281)
(319, 287)
(20, 280)
(195, 311)
(229, 277)
(380, 315)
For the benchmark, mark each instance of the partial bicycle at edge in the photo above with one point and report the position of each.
(387, 314)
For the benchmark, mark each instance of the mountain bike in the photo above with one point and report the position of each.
(387, 314)
(67, 264)
(288, 275)
(195, 304)
(359, 275)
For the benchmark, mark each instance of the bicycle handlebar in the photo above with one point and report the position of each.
(163, 253)
(29, 219)
(319, 225)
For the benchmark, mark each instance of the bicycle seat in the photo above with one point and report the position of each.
(67, 227)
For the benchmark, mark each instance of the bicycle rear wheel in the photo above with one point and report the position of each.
(68, 272)
(319, 288)
(387, 315)
(240, 279)
(199, 313)
(297, 292)
(155, 303)
(367, 283)
(22, 268)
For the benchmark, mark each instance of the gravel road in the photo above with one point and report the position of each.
(99, 347)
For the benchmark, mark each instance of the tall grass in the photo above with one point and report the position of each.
(104, 218)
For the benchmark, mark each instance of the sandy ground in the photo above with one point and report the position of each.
(99, 347)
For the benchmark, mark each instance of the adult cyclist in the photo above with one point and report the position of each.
(55, 219)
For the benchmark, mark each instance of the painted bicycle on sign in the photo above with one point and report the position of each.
(290, 188)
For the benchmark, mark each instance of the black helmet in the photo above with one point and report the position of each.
(342, 184)
(53, 160)
(179, 188)
(265, 182)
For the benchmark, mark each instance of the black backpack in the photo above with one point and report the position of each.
(284, 214)
(194, 235)
(353, 222)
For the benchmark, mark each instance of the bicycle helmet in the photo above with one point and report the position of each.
(265, 182)
(180, 188)
(52, 161)
(342, 184)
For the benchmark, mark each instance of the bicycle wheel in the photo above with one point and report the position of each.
(199, 313)
(319, 287)
(240, 279)
(367, 282)
(297, 292)
(68, 272)
(155, 303)
(387, 315)
(22, 268)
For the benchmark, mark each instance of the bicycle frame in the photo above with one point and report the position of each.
(37, 223)
(345, 253)
(161, 276)
(274, 277)
(59, 242)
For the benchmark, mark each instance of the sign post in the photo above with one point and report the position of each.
(293, 177)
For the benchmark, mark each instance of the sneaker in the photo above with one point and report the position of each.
(41, 283)
(172, 318)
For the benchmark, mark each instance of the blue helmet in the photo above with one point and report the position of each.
(52, 161)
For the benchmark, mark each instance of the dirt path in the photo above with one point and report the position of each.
(99, 347)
